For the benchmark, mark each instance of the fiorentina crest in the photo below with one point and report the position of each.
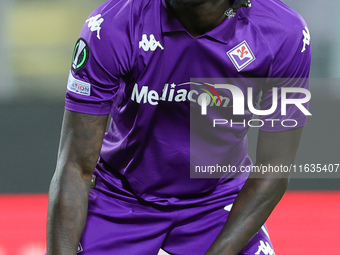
(241, 55)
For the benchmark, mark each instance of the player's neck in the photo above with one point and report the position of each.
(200, 19)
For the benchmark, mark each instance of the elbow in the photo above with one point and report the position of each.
(273, 187)
(283, 184)
(74, 170)
(277, 187)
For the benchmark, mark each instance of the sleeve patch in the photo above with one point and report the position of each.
(80, 55)
(78, 86)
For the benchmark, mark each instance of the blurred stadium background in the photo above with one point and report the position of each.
(36, 44)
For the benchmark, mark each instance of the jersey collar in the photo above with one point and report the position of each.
(222, 33)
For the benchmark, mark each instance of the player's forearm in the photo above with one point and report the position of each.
(260, 194)
(80, 143)
(68, 200)
(251, 208)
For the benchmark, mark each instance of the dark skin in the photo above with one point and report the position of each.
(260, 194)
(200, 16)
(80, 143)
(81, 140)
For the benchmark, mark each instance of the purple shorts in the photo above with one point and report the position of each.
(120, 225)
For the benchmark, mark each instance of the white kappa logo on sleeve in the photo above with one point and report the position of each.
(94, 24)
(306, 39)
(80, 248)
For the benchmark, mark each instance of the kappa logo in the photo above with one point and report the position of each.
(150, 44)
(228, 207)
(265, 248)
(80, 248)
(306, 39)
(241, 56)
(94, 24)
(265, 231)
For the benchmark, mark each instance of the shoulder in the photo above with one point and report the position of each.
(116, 22)
(275, 19)
(110, 33)
(116, 19)
(282, 29)
(279, 24)
(114, 16)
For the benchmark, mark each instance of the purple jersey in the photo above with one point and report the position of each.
(135, 61)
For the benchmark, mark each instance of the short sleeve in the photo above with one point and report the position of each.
(288, 82)
(101, 58)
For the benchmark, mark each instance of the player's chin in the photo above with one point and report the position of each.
(185, 3)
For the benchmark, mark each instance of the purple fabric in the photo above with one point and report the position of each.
(137, 82)
(120, 224)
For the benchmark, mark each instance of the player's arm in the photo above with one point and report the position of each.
(259, 195)
(80, 144)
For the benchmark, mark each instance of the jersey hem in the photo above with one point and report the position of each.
(86, 108)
